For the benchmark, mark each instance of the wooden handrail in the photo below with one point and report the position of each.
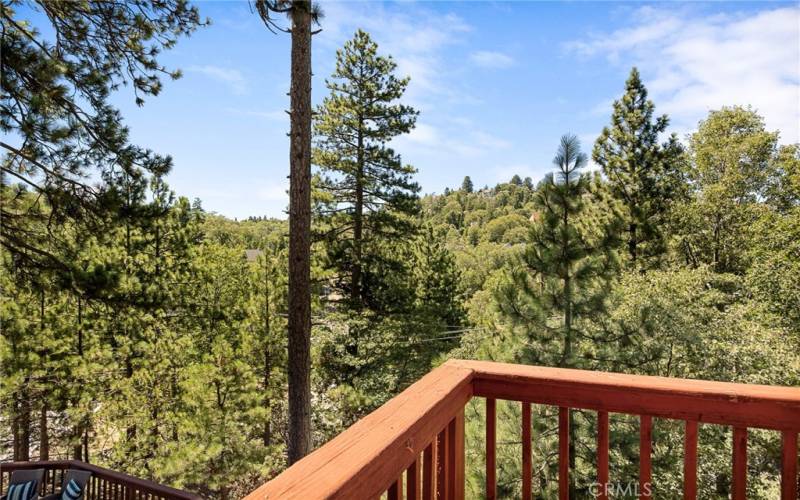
(130, 486)
(724, 403)
(370, 457)
(366, 459)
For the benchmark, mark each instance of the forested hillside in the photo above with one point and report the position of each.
(148, 335)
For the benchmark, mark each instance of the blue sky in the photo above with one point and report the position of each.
(496, 83)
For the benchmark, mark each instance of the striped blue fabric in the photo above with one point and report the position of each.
(21, 491)
(72, 491)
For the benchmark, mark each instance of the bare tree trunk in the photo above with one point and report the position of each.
(632, 243)
(358, 211)
(44, 435)
(25, 425)
(299, 369)
(267, 434)
(15, 429)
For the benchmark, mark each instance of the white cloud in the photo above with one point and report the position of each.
(229, 76)
(420, 41)
(454, 139)
(414, 36)
(695, 64)
(491, 59)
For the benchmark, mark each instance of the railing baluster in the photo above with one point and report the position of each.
(645, 455)
(739, 463)
(460, 460)
(491, 436)
(442, 465)
(429, 472)
(396, 489)
(789, 466)
(413, 484)
(450, 470)
(690, 461)
(602, 454)
(527, 474)
(563, 453)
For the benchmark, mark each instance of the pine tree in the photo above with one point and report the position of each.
(303, 14)
(644, 174)
(55, 106)
(370, 193)
(565, 268)
(466, 185)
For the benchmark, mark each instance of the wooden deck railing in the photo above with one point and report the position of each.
(419, 435)
(104, 484)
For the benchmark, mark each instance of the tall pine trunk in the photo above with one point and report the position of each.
(299, 363)
(44, 434)
(267, 431)
(25, 424)
(358, 221)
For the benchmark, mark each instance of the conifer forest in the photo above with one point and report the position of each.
(146, 334)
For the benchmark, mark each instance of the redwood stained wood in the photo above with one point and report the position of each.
(491, 438)
(362, 461)
(396, 490)
(459, 465)
(527, 474)
(602, 455)
(443, 465)
(744, 405)
(451, 460)
(690, 461)
(429, 472)
(739, 463)
(563, 453)
(413, 481)
(645, 456)
(789, 479)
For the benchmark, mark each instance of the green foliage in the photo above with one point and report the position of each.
(564, 270)
(367, 194)
(645, 175)
(160, 348)
(732, 159)
(56, 83)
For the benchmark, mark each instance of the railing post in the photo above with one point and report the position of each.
(429, 472)
(602, 455)
(451, 460)
(460, 465)
(739, 463)
(491, 437)
(789, 466)
(413, 481)
(442, 465)
(396, 489)
(645, 456)
(563, 453)
(527, 474)
(690, 461)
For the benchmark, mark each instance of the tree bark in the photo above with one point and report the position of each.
(15, 430)
(358, 220)
(299, 362)
(267, 434)
(44, 434)
(25, 424)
